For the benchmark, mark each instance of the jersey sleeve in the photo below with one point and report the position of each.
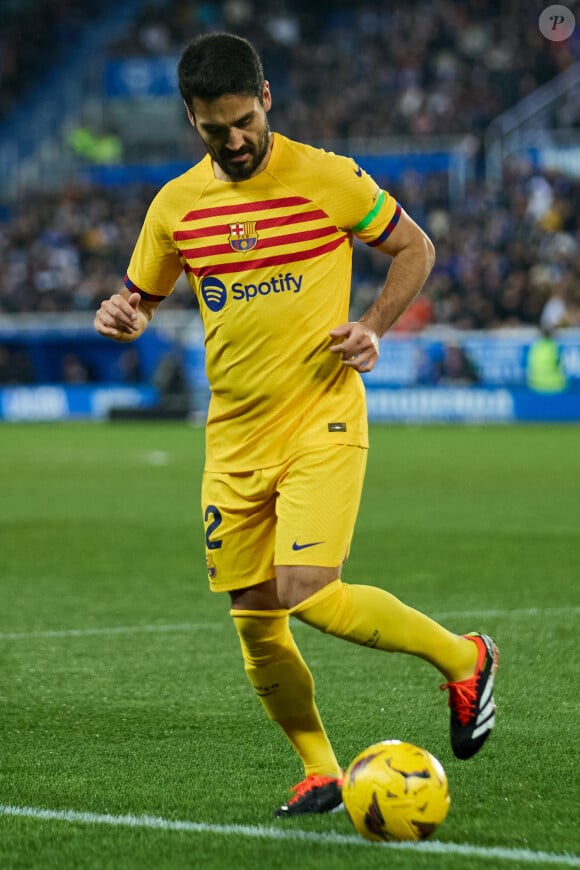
(155, 264)
(380, 220)
(357, 203)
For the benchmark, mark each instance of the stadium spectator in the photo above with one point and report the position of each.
(95, 145)
(15, 366)
(75, 370)
(456, 368)
(557, 311)
(129, 367)
(171, 381)
(544, 370)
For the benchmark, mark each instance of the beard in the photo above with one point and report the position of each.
(240, 171)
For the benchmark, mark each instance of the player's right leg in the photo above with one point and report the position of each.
(285, 686)
(239, 511)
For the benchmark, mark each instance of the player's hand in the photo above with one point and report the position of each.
(359, 347)
(118, 317)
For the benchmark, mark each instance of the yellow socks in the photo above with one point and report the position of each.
(372, 617)
(284, 685)
(362, 614)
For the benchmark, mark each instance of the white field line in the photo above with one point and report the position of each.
(431, 847)
(200, 626)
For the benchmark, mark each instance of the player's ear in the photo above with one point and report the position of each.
(266, 96)
(190, 114)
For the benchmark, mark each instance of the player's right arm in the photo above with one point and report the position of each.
(124, 315)
(154, 268)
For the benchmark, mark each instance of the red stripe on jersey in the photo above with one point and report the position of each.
(286, 239)
(261, 205)
(265, 223)
(244, 266)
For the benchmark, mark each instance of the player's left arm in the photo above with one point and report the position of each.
(413, 256)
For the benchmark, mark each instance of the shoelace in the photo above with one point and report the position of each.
(462, 698)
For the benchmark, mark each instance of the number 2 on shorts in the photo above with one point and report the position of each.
(213, 513)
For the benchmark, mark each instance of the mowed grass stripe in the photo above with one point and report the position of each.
(435, 847)
(114, 629)
(197, 626)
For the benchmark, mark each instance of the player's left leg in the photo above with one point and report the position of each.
(369, 616)
(317, 507)
(372, 617)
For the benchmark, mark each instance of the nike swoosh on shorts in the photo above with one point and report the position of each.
(297, 546)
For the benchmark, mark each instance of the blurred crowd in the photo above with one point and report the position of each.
(348, 69)
(35, 36)
(504, 258)
(342, 70)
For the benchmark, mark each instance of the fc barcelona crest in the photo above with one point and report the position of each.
(243, 236)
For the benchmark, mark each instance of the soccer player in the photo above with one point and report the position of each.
(263, 228)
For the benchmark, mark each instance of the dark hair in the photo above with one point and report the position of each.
(219, 63)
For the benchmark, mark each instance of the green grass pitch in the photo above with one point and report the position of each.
(122, 692)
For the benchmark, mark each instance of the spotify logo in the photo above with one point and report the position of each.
(214, 293)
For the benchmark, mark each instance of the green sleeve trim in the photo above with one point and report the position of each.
(362, 225)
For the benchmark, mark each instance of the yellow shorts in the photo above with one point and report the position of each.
(300, 513)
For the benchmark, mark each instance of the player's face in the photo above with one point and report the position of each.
(235, 131)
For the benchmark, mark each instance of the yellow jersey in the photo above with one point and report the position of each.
(269, 259)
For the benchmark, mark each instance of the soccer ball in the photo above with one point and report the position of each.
(395, 791)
